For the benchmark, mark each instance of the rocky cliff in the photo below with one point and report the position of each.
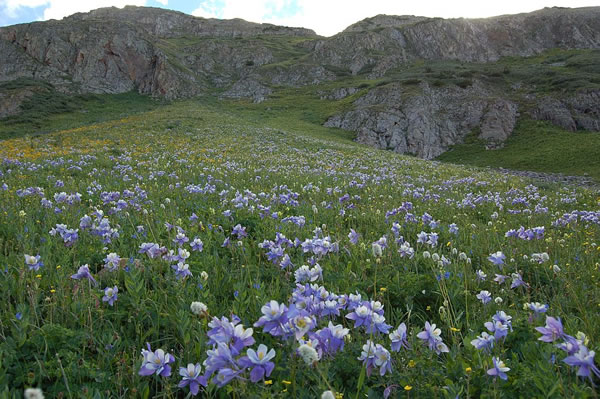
(430, 81)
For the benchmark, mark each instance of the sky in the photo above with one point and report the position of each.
(326, 17)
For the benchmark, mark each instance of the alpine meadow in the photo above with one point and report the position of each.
(228, 209)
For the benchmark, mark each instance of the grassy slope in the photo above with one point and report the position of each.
(534, 145)
(49, 110)
(537, 146)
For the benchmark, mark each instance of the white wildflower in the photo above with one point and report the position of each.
(308, 354)
(34, 393)
(198, 308)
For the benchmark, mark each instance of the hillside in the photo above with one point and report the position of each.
(412, 85)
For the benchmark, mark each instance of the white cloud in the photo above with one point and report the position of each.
(163, 2)
(10, 7)
(57, 9)
(328, 17)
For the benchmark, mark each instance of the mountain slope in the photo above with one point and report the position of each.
(409, 84)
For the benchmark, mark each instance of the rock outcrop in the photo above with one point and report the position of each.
(428, 122)
(578, 112)
(385, 41)
(154, 51)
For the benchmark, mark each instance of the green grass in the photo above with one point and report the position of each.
(537, 146)
(50, 110)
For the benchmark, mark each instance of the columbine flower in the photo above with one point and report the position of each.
(241, 338)
(111, 262)
(197, 245)
(484, 296)
(362, 316)
(308, 354)
(180, 239)
(485, 341)
(584, 359)
(353, 236)
(367, 355)
(536, 307)
(259, 362)
(517, 281)
(273, 319)
(433, 339)
(552, 331)
(191, 376)
(34, 393)
(84, 272)
(182, 270)
(480, 275)
(497, 259)
(398, 338)
(453, 228)
(110, 295)
(383, 359)
(198, 308)
(156, 362)
(33, 262)
(239, 231)
(499, 369)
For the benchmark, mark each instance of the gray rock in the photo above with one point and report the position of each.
(554, 111)
(10, 101)
(338, 94)
(580, 111)
(248, 88)
(498, 121)
(426, 123)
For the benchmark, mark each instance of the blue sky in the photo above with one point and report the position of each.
(326, 17)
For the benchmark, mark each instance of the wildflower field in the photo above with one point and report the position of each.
(191, 252)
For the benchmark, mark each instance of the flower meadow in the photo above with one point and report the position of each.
(218, 258)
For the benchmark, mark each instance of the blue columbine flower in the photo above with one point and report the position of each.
(112, 261)
(110, 295)
(432, 337)
(497, 259)
(353, 236)
(197, 245)
(33, 262)
(192, 378)
(273, 319)
(259, 361)
(84, 272)
(156, 362)
(499, 369)
(484, 296)
(552, 331)
(182, 270)
(398, 338)
(484, 341)
(584, 359)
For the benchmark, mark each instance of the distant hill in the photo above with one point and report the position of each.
(410, 84)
